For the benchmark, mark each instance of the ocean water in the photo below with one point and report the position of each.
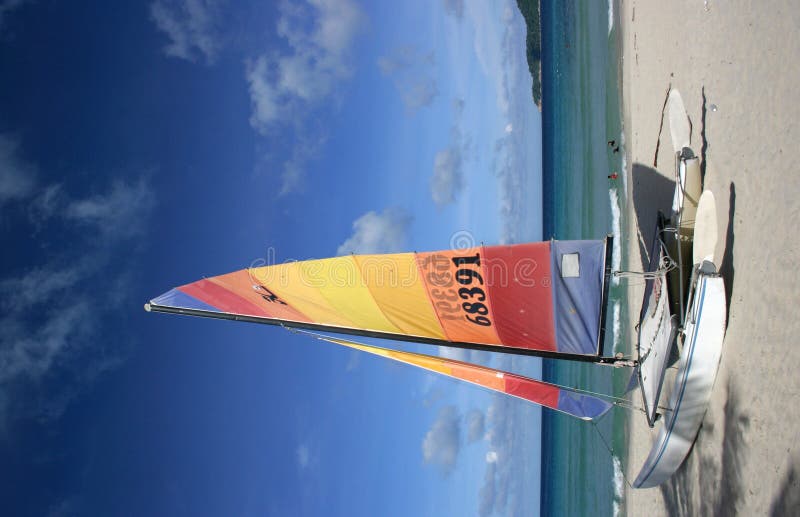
(581, 464)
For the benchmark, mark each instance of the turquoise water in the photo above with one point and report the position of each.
(581, 114)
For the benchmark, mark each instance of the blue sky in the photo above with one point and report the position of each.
(146, 145)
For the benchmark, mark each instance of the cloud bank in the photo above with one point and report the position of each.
(17, 176)
(49, 310)
(447, 181)
(287, 88)
(475, 425)
(192, 28)
(317, 58)
(373, 232)
(454, 8)
(411, 73)
(442, 443)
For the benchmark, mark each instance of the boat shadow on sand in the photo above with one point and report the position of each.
(652, 193)
(712, 483)
(706, 483)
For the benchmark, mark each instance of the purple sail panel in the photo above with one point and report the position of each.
(176, 298)
(584, 407)
(578, 269)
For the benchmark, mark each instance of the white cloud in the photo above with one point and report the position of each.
(378, 233)
(487, 493)
(191, 26)
(37, 286)
(411, 73)
(475, 425)
(513, 152)
(29, 352)
(17, 177)
(118, 213)
(320, 35)
(454, 8)
(448, 174)
(448, 177)
(47, 317)
(419, 93)
(288, 87)
(442, 443)
(293, 175)
(504, 459)
(263, 94)
(303, 456)
(45, 203)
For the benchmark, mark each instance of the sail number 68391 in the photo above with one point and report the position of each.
(466, 275)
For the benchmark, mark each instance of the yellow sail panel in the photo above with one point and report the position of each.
(427, 362)
(290, 284)
(397, 287)
(340, 283)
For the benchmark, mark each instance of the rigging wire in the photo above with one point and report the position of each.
(611, 452)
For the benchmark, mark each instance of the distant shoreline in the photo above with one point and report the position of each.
(532, 12)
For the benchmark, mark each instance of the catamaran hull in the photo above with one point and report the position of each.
(697, 371)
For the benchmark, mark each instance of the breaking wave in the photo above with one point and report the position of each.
(617, 326)
(616, 230)
(619, 486)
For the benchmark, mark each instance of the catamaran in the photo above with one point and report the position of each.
(545, 299)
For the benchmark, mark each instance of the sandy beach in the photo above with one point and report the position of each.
(735, 65)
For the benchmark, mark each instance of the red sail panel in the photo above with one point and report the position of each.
(519, 282)
(246, 286)
(535, 391)
(222, 299)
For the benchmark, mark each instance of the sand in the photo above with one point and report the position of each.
(735, 64)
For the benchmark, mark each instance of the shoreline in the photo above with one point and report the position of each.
(734, 68)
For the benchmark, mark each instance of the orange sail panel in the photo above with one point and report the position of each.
(456, 287)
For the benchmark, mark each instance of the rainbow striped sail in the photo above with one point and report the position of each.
(543, 299)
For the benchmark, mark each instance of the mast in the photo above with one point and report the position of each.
(152, 307)
(601, 334)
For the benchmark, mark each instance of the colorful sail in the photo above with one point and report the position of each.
(528, 297)
(573, 403)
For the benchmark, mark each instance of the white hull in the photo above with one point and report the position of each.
(704, 333)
